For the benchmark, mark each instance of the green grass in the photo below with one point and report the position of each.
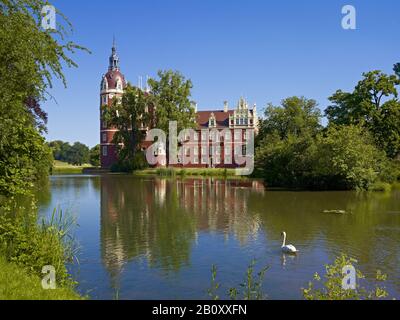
(66, 168)
(188, 172)
(17, 284)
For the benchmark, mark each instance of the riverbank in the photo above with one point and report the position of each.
(27, 244)
(17, 284)
(60, 167)
(187, 172)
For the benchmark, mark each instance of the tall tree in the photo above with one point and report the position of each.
(171, 98)
(95, 156)
(296, 116)
(131, 116)
(374, 103)
(30, 57)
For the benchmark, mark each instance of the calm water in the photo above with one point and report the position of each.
(157, 239)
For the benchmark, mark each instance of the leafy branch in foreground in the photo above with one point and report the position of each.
(331, 287)
(251, 287)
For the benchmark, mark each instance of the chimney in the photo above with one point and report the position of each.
(226, 107)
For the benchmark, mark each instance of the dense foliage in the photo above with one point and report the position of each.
(94, 156)
(170, 95)
(357, 150)
(375, 105)
(76, 154)
(30, 57)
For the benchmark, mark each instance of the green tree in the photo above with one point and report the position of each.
(296, 116)
(171, 99)
(286, 141)
(30, 57)
(78, 154)
(396, 69)
(131, 116)
(94, 155)
(347, 158)
(374, 103)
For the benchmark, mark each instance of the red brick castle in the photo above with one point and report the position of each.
(233, 127)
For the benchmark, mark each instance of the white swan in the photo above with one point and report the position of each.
(287, 248)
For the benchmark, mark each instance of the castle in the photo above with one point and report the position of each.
(233, 127)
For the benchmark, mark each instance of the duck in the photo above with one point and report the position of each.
(288, 248)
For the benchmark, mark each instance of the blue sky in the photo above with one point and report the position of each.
(262, 50)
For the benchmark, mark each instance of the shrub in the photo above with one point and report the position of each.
(332, 289)
(33, 246)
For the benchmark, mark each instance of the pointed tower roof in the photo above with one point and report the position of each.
(114, 59)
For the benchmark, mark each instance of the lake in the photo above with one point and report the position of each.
(154, 238)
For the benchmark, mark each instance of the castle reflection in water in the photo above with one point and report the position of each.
(159, 220)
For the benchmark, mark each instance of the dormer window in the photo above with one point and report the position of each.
(104, 84)
(212, 122)
(118, 84)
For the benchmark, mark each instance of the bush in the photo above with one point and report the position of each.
(332, 289)
(138, 162)
(32, 247)
(342, 157)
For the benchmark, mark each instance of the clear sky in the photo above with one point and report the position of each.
(262, 50)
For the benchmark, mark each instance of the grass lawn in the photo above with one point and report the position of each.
(190, 172)
(65, 168)
(17, 284)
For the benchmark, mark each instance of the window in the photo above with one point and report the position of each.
(238, 135)
(228, 151)
(237, 150)
(244, 150)
(203, 160)
(105, 151)
(195, 136)
(196, 151)
(104, 137)
(228, 160)
(237, 122)
(196, 160)
(204, 151)
(217, 160)
(228, 135)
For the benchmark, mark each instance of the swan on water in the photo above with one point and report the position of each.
(287, 248)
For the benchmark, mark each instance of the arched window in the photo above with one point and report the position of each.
(118, 84)
(104, 84)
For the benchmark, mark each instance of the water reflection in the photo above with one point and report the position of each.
(160, 219)
(149, 234)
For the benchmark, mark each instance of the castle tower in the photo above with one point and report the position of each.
(112, 86)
